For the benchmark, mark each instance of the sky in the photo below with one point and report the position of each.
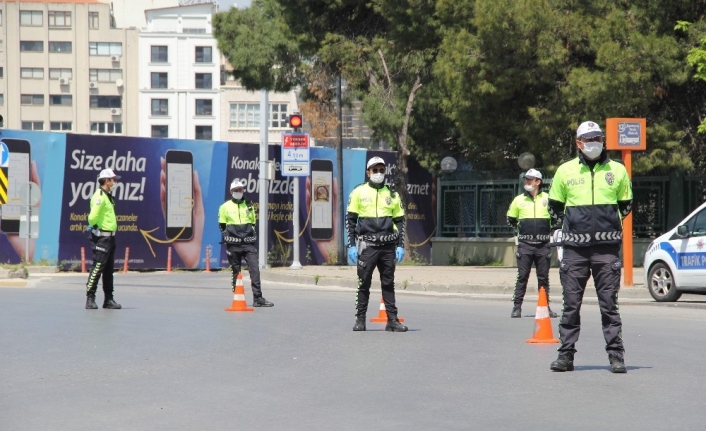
(224, 5)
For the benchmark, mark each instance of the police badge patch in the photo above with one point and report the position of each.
(609, 178)
(388, 200)
(545, 202)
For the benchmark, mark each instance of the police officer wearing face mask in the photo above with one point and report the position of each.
(236, 220)
(589, 197)
(102, 225)
(375, 220)
(529, 216)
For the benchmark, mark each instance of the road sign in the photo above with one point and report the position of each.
(295, 154)
(30, 193)
(4, 155)
(626, 134)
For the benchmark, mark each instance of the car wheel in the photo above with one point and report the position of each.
(662, 286)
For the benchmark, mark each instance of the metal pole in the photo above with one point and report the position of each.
(295, 222)
(342, 259)
(263, 184)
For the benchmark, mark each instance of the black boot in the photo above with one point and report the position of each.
(516, 311)
(617, 365)
(110, 304)
(552, 314)
(359, 324)
(565, 362)
(262, 302)
(394, 325)
(91, 302)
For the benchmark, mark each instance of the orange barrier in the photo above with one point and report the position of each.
(382, 314)
(239, 296)
(208, 259)
(127, 256)
(83, 259)
(542, 323)
(169, 259)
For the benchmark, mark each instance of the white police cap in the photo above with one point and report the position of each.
(375, 161)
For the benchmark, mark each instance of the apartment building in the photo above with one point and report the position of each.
(63, 67)
(179, 82)
(240, 113)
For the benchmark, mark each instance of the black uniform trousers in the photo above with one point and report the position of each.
(578, 263)
(527, 254)
(236, 253)
(103, 248)
(383, 258)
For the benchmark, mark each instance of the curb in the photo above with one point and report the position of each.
(636, 292)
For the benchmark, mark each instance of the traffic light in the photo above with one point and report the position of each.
(295, 121)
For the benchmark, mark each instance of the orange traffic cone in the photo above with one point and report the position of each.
(382, 314)
(542, 322)
(239, 296)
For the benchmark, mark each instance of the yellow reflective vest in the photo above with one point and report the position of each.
(530, 216)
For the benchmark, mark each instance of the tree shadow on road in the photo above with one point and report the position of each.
(605, 367)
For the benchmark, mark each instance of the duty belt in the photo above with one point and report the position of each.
(584, 238)
(98, 232)
(533, 237)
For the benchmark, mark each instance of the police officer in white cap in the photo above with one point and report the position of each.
(375, 218)
(529, 216)
(102, 224)
(236, 220)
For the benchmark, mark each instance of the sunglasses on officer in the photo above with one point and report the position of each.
(592, 139)
(377, 170)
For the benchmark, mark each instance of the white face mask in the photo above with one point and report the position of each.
(237, 195)
(592, 150)
(529, 188)
(377, 178)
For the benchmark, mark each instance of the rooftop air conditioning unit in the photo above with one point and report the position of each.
(64, 81)
(114, 58)
(92, 85)
(116, 111)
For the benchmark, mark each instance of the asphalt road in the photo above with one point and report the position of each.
(173, 359)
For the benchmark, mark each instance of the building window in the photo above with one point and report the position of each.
(59, 18)
(32, 125)
(203, 54)
(32, 18)
(247, 115)
(203, 80)
(107, 128)
(60, 100)
(92, 19)
(2, 99)
(63, 47)
(105, 75)
(31, 46)
(160, 54)
(278, 115)
(60, 125)
(160, 131)
(2, 72)
(56, 73)
(244, 115)
(32, 99)
(0, 18)
(32, 73)
(160, 79)
(106, 102)
(193, 30)
(160, 107)
(204, 107)
(105, 48)
(204, 132)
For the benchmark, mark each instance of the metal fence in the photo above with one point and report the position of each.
(478, 207)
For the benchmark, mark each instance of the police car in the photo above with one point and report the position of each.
(675, 262)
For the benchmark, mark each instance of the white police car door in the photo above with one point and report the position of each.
(691, 252)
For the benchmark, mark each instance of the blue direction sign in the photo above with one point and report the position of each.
(4, 155)
(629, 134)
(295, 154)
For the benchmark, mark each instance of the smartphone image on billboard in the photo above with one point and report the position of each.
(321, 199)
(18, 173)
(180, 194)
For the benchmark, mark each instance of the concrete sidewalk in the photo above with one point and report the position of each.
(443, 279)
